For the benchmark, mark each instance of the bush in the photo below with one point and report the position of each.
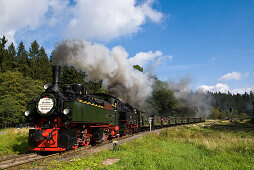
(14, 141)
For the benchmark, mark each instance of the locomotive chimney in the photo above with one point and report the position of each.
(56, 77)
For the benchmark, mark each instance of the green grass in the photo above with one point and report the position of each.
(246, 123)
(188, 147)
(13, 141)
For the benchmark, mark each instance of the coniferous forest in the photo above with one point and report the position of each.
(23, 73)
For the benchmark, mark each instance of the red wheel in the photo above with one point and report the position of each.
(85, 143)
(87, 140)
(75, 147)
(106, 137)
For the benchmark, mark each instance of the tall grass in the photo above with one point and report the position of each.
(187, 147)
(13, 141)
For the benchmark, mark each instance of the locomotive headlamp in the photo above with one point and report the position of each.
(66, 111)
(46, 86)
(27, 113)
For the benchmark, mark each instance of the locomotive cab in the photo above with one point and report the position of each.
(78, 89)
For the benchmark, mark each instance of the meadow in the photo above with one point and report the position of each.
(185, 147)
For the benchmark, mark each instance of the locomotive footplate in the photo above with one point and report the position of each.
(52, 139)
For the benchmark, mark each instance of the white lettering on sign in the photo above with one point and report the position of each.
(45, 104)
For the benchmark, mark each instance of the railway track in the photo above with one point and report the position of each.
(14, 162)
(21, 160)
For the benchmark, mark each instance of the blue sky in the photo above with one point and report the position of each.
(212, 42)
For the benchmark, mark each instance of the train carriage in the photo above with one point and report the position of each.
(178, 120)
(156, 121)
(184, 120)
(143, 120)
(172, 120)
(197, 120)
(191, 120)
(164, 121)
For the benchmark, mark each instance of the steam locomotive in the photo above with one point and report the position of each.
(66, 119)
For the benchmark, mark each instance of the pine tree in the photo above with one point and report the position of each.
(22, 59)
(33, 59)
(94, 87)
(44, 66)
(13, 56)
(71, 75)
(3, 55)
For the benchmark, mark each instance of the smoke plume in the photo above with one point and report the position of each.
(111, 66)
(200, 101)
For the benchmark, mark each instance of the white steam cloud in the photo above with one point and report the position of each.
(111, 66)
(200, 101)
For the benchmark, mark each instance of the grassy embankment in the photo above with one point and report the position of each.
(13, 141)
(186, 147)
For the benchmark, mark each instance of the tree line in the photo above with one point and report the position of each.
(23, 73)
(218, 105)
(228, 105)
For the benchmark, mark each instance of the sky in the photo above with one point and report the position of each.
(210, 42)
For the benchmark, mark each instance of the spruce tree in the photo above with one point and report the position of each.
(44, 66)
(71, 75)
(13, 56)
(3, 55)
(33, 59)
(22, 59)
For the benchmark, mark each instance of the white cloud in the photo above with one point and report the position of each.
(223, 88)
(108, 19)
(27, 15)
(10, 37)
(243, 90)
(16, 15)
(231, 76)
(86, 19)
(143, 58)
(58, 11)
